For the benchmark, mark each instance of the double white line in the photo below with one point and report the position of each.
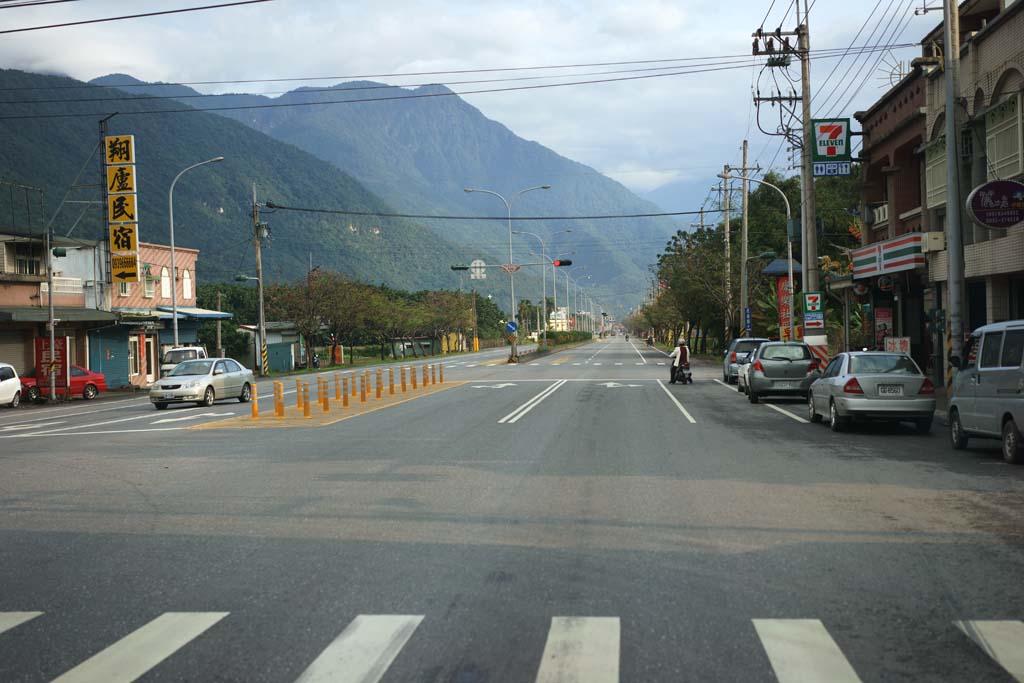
(522, 410)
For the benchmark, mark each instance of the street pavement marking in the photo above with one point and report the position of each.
(141, 650)
(786, 413)
(581, 649)
(661, 362)
(595, 363)
(522, 410)
(727, 386)
(676, 401)
(364, 650)
(560, 361)
(576, 364)
(14, 428)
(472, 365)
(1003, 641)
(9, 620)
(802, 651)
(639, 354)
(618, 363)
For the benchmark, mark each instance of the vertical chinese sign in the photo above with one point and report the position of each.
(122, 207)
(883, 326)
(782, 289)
(48, 363)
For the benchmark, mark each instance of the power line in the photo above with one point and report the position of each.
(133, 16)
(13, 4)
(835, 66)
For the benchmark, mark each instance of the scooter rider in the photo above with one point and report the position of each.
(680, 359)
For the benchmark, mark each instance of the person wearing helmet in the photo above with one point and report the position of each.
(680, 359)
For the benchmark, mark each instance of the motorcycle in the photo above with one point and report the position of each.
(650, 342)
(316, 361)
(681, 374)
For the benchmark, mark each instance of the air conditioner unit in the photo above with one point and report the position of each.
(932, 242)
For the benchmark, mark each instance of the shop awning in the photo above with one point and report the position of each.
(780, 268)
(198, 313)
(128, 314)
(891, 256)
(65, 315)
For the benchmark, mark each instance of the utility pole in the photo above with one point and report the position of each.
(220, 349)
(807, 212)
(954, 237)
(727, 329)
(744, 280)
(259, 231)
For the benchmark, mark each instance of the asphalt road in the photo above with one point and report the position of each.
(573, 518)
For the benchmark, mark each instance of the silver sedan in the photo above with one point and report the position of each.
(203, 381)
(872, 386)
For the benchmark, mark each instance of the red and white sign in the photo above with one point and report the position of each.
(897, 344)
(782, 291)
(57, 363)
(883, 325)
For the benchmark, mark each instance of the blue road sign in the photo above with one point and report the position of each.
(747, 319)
(511, 327)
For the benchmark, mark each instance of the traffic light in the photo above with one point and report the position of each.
(60, 252)
(558, 263)
(460, 267)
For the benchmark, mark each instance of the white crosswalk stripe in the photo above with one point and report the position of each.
(9, 620)
(141, 650)
(802, 651)
(364, 650)
(1003, 641)
(581, 649)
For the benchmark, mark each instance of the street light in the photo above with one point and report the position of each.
(789, 244)
(568, 307)
(514, 358)
(174, 270)
(544, 276)
(261, 323)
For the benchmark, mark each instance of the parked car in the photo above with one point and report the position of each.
(736, 355)
(779, 368)
(203, 381)
(872, 385)
(179, 354)
(84, 383)
(10, 386)
(988, 389)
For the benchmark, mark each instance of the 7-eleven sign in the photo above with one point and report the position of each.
(812, 302)
(831, 139)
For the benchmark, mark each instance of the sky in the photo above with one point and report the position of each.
(647, 134)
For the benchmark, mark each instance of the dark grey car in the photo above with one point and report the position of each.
(736, 355)
(780, 369)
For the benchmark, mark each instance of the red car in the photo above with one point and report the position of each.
(84, 383)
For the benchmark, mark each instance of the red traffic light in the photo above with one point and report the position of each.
(562, 262)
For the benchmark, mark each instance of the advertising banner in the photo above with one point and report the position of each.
(56, 363)
(883, 325)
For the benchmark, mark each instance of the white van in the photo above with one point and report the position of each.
(180, 354)
(988, 390)
(10, 386)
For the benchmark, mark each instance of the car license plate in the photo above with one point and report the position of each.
(786, 385)
(890, 389)
(168, 395)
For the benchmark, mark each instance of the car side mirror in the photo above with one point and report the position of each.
(218, 371)
(955, 362)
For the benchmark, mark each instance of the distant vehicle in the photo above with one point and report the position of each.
(778, 368)
(180, 354)
(203, 381)
(10, 386)
(988, 390)
(872, 385)
(84, 383)
(736, 355)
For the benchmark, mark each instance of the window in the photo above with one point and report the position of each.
(233, 366)
(1003, 139)
(165, 283)
(883, 363)
(990, 350)
(1013, 349)
(935, 173)
(785, 352)
(220, 367)
(148, 286)
(77, 372)
(133, 356)
(186, 285)
(27, 260)
(6, 373)
(833, 368)
(124, 289)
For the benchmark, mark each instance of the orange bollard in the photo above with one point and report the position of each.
(255, 404)
(344, 392)
(362, 388)
(279, 400)
(298, 394)
(412, 373)
(327, 395)
(401, 371)
(440, 370)
(319, 390)
(433, 374)
(380, 383)
(354, 384)
(426, 377)
(337, 386)
(391, 381)
(305, 400)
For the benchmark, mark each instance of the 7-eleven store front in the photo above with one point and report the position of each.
(892, 292)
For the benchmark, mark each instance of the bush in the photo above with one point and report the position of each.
(559, 338)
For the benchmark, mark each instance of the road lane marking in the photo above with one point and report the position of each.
(502, 385)
(9, 620)
(802, 651)
(192, 417)
(14, 428)
(141, 650)
(575, 363)
(522, 410)
(1003, 641)
(675, 400)
(581, 649)
(58, 430)
(595, 363)
(618, 363)
(472, 365)
(727, 386)
(786, 413)
(661, 362)
(639, 354)
(364, 650)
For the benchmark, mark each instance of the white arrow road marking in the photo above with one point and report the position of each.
(11, 428)
(191, 417)
(612, 385)
(493, 386)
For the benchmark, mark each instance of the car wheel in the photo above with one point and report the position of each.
(90, 392)
(1013, 449)
(33, 395)
(812, 414)
(752, 396)
(836, 422)
(957, 436)
(15, 400)
(160, 406)
(208, 397)
(924, 425)
(246, 393)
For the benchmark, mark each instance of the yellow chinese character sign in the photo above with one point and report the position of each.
(121, 208)
(124, 237)
(124, 268)
(120, 179)
(119, 149)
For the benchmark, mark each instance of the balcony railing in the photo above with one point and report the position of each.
(62, 285)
